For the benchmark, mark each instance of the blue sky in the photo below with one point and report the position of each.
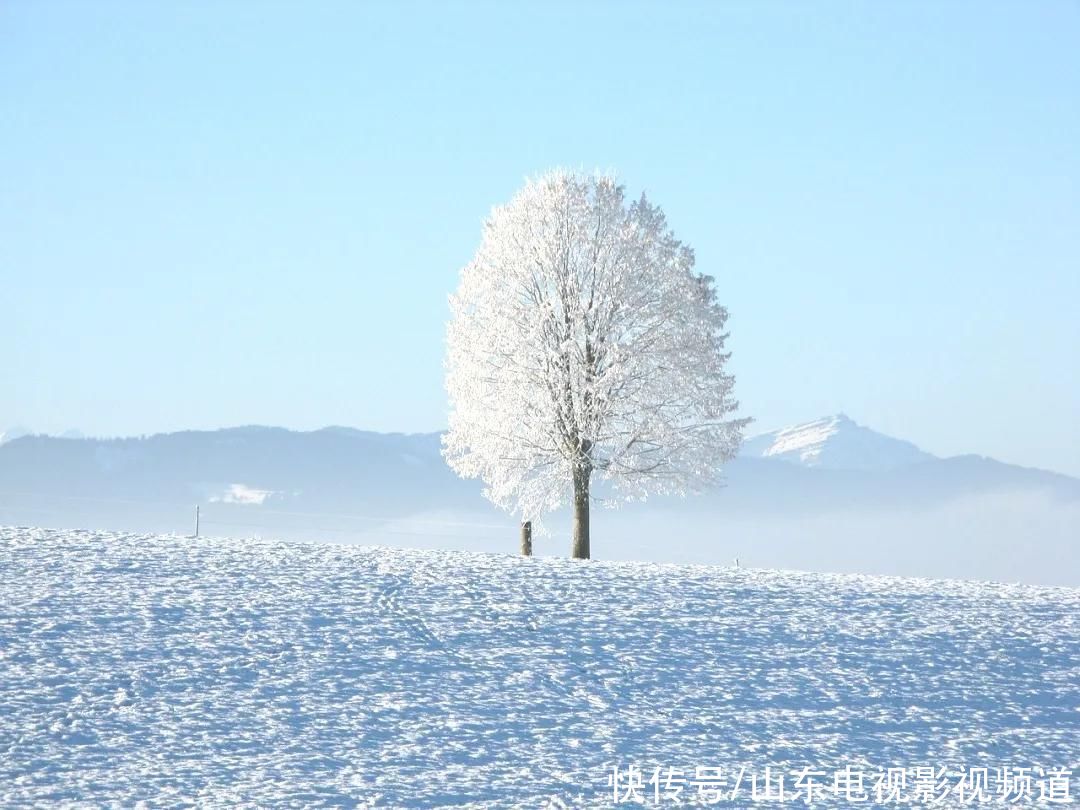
(220, 214)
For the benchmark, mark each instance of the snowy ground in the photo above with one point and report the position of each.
(236, 673)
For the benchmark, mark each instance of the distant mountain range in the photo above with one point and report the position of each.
(790, 494)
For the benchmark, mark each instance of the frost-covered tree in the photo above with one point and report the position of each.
(582, 342)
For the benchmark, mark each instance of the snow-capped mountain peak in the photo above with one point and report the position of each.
(806, 441)
(834, 442)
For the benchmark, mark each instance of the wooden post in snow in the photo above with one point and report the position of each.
(196, 520)
(526, 538)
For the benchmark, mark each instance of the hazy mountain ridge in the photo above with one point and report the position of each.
(830, 460)
(11, 434)
(323, 467)
(827, 495)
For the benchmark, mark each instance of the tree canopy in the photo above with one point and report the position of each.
(582, 342)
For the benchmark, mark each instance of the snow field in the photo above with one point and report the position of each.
(215, 672)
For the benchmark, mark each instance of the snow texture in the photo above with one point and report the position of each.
(214, 672)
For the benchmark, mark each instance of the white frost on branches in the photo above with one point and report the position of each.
(582, 339)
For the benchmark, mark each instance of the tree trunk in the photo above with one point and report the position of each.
(526, 538)
(581, 513)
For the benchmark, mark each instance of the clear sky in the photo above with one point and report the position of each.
(230, 213)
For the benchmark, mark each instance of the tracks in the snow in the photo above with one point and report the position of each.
(390, 603)
(522, 627)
